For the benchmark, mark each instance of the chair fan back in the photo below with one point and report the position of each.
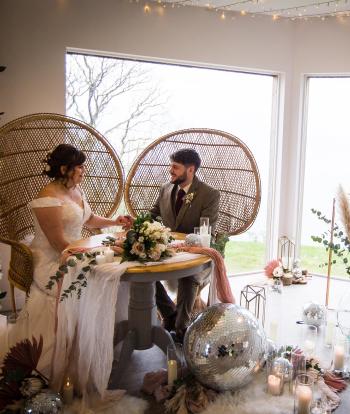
(24, 144)
(227, 165)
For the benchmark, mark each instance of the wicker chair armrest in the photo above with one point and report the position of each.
(21, 264)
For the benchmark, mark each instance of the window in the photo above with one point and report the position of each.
(132, 103)
(326, 164)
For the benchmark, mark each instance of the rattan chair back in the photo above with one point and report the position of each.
(24, 144)
(227, 165)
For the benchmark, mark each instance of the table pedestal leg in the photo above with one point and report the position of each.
(142, 328)
(128, 347)
(161, 338)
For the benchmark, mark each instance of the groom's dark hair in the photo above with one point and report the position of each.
(187, 157)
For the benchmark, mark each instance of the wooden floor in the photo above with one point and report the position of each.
(285, 309)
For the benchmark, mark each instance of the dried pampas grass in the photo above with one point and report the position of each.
(344, 208)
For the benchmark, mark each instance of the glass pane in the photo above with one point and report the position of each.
(326, 167)
(143, 101)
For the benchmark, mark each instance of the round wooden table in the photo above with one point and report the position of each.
(142, 329)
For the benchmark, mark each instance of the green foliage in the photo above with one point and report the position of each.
(220, 243)
(81, 281)
(340, 246)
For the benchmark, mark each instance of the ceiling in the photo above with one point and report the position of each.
(290, 9)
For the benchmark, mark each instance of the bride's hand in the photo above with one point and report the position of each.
(125, 221)
(118, 247)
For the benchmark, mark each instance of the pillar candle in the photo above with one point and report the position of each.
(172, 372)
(339, 356)
(100, 259)
(274, 385)
(329, 335)
(109, 255)
(304, 398)
(309, 346)
(273, 331)
(205, 240)
(68, 392)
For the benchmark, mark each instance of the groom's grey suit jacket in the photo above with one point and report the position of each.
(205, 203)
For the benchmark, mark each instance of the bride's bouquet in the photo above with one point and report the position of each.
(147, 241)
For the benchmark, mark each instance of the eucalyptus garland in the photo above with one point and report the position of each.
(81, 280)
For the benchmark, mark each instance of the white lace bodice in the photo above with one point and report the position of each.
(46, 258)
(73, 217)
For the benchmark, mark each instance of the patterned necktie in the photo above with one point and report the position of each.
(179, 200)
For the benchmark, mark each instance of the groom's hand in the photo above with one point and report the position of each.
(125, 221)
(118, 247)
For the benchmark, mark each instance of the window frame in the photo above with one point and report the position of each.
(276, 131)
(302, 145)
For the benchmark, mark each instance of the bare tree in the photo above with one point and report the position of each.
(117, 97)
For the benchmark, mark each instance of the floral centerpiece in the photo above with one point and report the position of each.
(275, 270)
(147, 240)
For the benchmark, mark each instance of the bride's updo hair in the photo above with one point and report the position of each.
(62, 155)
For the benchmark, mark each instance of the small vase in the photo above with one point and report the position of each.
(277, 285)
(303, 394)
(287, 279)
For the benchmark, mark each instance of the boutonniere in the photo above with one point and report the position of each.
(188, 198)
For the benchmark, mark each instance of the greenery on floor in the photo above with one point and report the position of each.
(243, 256)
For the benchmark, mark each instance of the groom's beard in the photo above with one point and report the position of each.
(181, 179)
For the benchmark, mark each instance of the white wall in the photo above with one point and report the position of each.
(35, 35)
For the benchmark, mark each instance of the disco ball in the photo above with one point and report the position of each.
(193, 240)
(225, 347)
(45, 402)
(314, 314)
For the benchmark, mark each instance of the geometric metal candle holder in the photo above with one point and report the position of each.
(286, 252)
(253, 298)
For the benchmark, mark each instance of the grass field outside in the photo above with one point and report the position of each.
(246, 256)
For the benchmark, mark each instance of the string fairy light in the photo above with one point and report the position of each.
(299, 12)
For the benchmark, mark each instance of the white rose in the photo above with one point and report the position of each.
(138, 248)
(278, 271)
(155, 253)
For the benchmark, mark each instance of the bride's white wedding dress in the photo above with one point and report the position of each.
(82, 343)
(38, 314)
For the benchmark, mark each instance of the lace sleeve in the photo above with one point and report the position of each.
(46, 202)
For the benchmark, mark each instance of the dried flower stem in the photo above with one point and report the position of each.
(344, 210)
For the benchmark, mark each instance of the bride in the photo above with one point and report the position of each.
(60, 212)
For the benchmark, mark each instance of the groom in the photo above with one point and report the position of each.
(180, 204)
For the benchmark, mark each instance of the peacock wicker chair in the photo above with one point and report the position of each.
(24, 143)
(227, 165)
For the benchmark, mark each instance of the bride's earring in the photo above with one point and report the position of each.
(63, 179)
